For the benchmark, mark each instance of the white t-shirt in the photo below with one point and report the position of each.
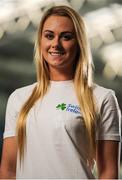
(56, 141)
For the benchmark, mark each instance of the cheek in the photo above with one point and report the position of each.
(72, 49)
(44, 45)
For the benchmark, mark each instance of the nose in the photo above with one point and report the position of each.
(56, 42)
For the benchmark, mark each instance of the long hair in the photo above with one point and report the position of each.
(82, 80)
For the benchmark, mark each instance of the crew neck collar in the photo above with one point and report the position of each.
(62, 82)
(70, 80)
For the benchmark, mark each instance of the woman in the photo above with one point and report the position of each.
(59, 126)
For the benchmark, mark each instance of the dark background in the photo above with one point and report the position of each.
(18, 26)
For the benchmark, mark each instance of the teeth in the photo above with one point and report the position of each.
(56, 53)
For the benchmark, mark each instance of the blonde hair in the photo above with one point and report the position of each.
(82, 78)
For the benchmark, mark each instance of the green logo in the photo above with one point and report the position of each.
(61, 106)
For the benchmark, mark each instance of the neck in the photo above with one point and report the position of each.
(60, 75)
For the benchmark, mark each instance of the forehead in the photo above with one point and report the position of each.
(61, 23)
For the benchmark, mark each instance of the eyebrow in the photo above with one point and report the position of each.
(64, 32)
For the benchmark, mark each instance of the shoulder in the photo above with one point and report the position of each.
(20, 95)
(105, 96)
(100, 91)
(26, 90)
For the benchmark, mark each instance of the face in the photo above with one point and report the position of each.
(59, 43)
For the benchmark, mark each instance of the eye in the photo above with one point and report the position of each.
(49, 36)
(67, 37)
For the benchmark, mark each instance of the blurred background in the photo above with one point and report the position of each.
(19, 21)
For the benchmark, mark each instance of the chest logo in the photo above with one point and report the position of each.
(68, 107)
(61, 106)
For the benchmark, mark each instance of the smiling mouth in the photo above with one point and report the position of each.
(56, 53)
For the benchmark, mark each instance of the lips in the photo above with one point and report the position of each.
(56, 53)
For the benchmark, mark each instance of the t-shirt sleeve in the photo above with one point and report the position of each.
(11, 115)
(109, 123)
